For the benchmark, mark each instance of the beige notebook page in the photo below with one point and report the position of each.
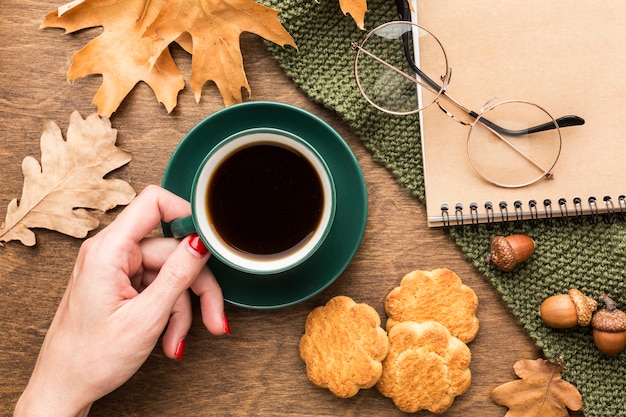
(567, 56)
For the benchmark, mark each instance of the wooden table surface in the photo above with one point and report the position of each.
(256, 371)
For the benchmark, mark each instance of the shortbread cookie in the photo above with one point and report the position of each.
(343, 346)
(426, 367)
(437, 295)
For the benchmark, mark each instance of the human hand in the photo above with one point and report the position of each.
(123, 292)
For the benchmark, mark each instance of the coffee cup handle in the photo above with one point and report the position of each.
(182, 227)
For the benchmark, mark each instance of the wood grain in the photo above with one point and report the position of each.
(257, 370)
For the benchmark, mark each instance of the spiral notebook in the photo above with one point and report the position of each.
(567, 56)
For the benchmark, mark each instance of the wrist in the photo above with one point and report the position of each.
(40, 402)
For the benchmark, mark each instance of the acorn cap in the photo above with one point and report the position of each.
(585, 306)
(609, 319)
(507, 252)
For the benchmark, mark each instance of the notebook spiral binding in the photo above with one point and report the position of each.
(607, 210)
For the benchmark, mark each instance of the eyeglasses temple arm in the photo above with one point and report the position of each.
(404, 10)
(404, 13)
(564, 121)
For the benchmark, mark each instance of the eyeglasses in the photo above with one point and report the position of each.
(523, 135)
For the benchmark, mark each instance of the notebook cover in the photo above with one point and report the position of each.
(569, 57)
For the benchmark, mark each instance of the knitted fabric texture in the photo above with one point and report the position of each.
(587, 253)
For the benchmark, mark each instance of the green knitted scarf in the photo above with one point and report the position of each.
(587, 255)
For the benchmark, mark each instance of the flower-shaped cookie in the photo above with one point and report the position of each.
(343, 346)
(437, 295)
(426, 368)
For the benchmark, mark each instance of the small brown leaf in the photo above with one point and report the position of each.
(356, 9)
(541, 392)
(62, 192)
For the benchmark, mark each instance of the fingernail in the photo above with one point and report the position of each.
(226, 325)
(180, 350)
(197, 245)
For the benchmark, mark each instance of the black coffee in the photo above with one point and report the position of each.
(265, 200)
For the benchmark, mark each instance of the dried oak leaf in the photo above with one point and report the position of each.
(356, 9)
(210, 31)
(62, 193)
(134, 45)
(120, 53)
(541, 392)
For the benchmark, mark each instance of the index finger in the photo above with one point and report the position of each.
(153, 205)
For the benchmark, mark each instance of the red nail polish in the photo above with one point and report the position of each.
(180, 350)
(226, 325)
(197, 245)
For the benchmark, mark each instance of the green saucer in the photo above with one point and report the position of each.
(325, 266)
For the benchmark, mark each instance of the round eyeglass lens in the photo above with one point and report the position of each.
(389, 73)
(514, 144)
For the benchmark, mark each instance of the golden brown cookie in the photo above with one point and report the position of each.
(437, 295)
(343, 346)
(426, 367)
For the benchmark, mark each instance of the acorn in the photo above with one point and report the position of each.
(564, 311)
(609, 328)
(510, 251)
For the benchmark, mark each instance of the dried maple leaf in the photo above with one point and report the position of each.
(541, 392)
(62, 192)
(356, 9)
(211, 30)
(134, 44)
